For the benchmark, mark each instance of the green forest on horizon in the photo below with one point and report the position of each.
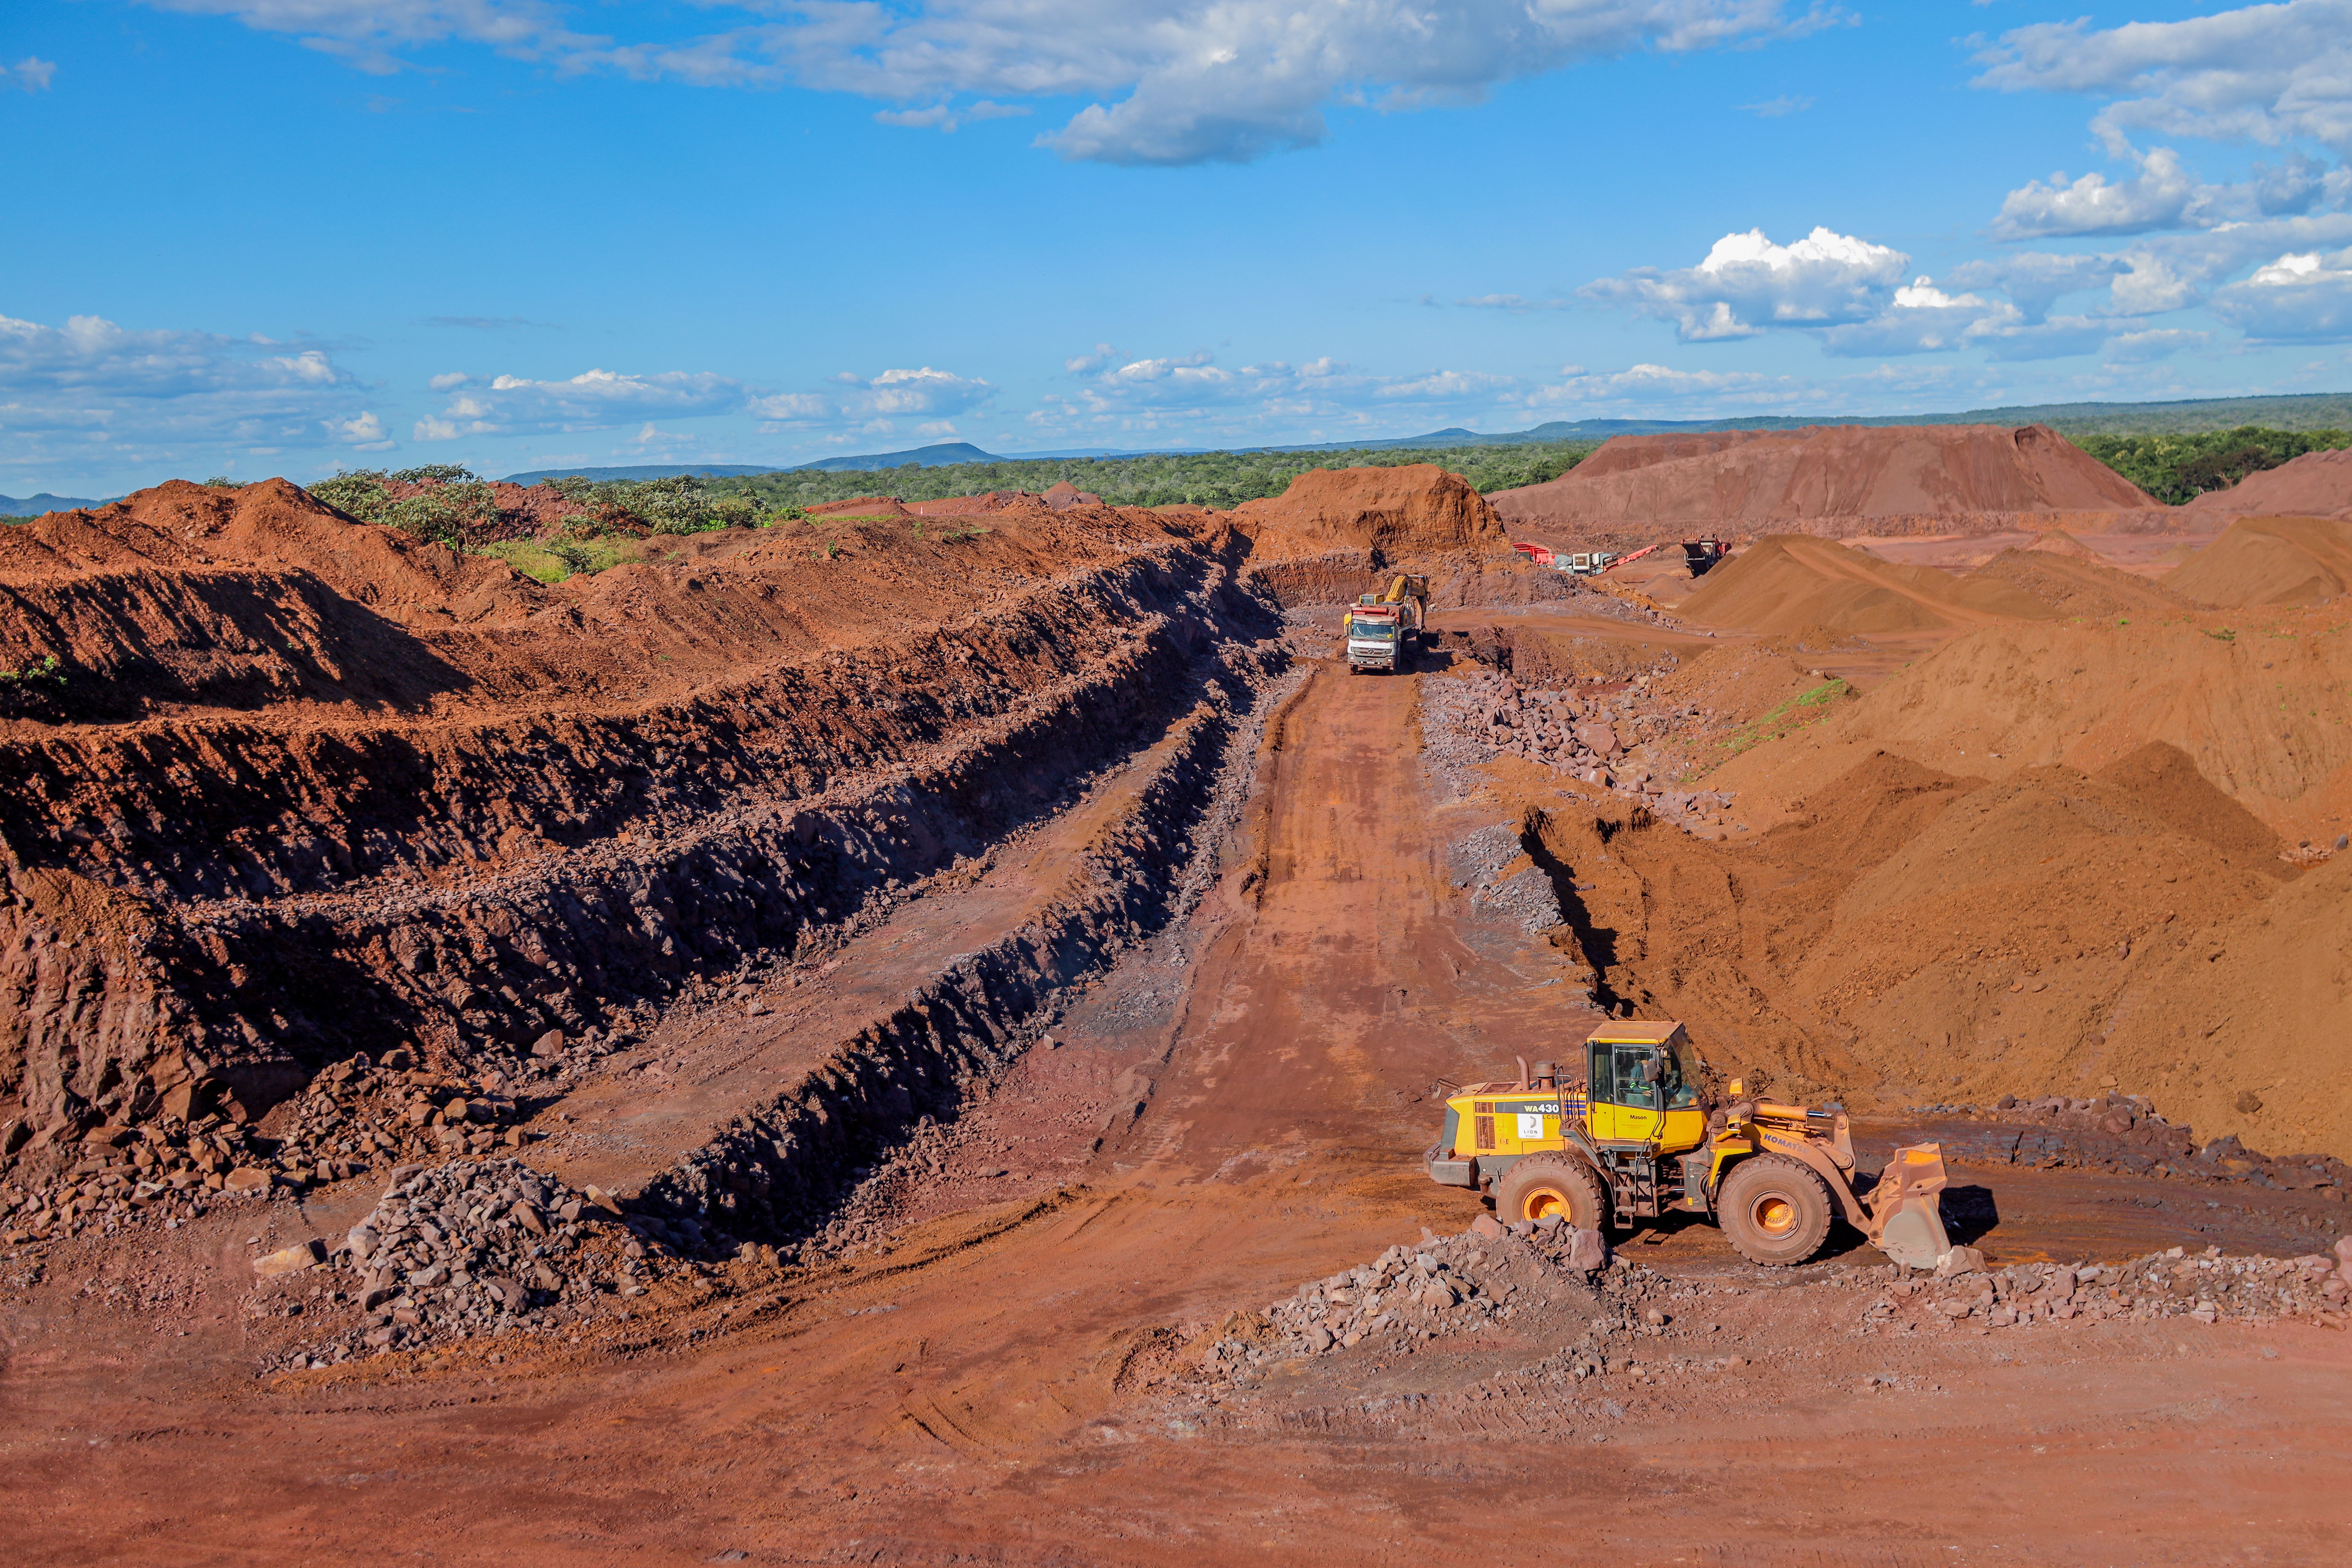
(1219, 480)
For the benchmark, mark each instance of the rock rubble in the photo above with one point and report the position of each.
(490, 1247)
(354, 1117)
(1604, 735)
(2209, 1287)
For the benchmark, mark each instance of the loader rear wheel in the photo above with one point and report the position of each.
(1542, 1185)
(1774, 1210)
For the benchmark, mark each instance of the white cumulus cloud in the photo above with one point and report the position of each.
(873, 403)
(92, 387)
(2261, 73)
(1206, 403)
(1174, 81)
(593, 400)
(2159, 196)
(2304, 297)
(1747, 283)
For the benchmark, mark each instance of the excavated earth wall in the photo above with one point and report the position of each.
(779, 1166)
(200, 901)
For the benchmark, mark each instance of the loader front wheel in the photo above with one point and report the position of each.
(1775, 1211)
(1542, 1185)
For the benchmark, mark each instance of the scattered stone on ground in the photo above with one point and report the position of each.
(1604, 735)
(486, 1248)
(354, 1117)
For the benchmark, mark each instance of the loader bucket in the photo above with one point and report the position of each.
(1905, 1221)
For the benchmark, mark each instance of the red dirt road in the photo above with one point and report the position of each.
(974, 1393)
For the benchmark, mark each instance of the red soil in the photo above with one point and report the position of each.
(859, 506)
(295, 756)
(837, 837)
(1832, 481)
(2317, 484)
(2271, 561)
(1419, 508)
(1788, 582)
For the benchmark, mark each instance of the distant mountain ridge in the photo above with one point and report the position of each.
(34, 505)
(2293, 411)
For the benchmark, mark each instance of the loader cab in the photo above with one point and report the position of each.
(1643, 1085)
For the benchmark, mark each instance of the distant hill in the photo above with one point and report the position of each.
(34, 505)
(2299, 411)
(937, 457)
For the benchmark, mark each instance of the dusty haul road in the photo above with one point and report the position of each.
(996, 1385)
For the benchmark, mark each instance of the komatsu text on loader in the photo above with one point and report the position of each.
(1380, 628)
(1642, 1136)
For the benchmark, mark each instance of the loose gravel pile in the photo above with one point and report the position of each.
(356, 1116)
(2209, 1287)
(488, 1247)
(1599, 1310)
(1603, 736)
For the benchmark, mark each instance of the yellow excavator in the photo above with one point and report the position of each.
(1378, 629)
(1642, 1135)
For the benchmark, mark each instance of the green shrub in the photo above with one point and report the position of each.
(531, 559)
(35, 691)
(2177, 469)
(360, 495)
(1220, 479)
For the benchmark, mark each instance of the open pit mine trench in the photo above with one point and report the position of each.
(990, 1349)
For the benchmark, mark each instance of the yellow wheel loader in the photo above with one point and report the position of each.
(1642, 1136)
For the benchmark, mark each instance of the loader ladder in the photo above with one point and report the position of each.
(1633, 1180)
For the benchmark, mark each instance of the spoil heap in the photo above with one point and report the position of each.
(1447, 1286)
(1787, 582)
(2072, 581)
(1910, 934)
(1333, 533)
(2248, 703)
(1835, 481)
(2266, 561)
(2317, 484)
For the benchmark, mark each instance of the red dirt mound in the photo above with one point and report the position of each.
(2317, 484)
(270, 525)
(2058, 542)
(1833, 480)
(1417, 508)
(2076, 584)
(2270, 560)
(1789, 582)
(1064, 495)
(1913, 934)
(860, 506)
(2248, 705)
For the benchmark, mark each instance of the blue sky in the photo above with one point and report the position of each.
(259, 237)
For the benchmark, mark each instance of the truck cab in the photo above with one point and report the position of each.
(1376, 635)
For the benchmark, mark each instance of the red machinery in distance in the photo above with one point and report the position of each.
(1701, 555)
